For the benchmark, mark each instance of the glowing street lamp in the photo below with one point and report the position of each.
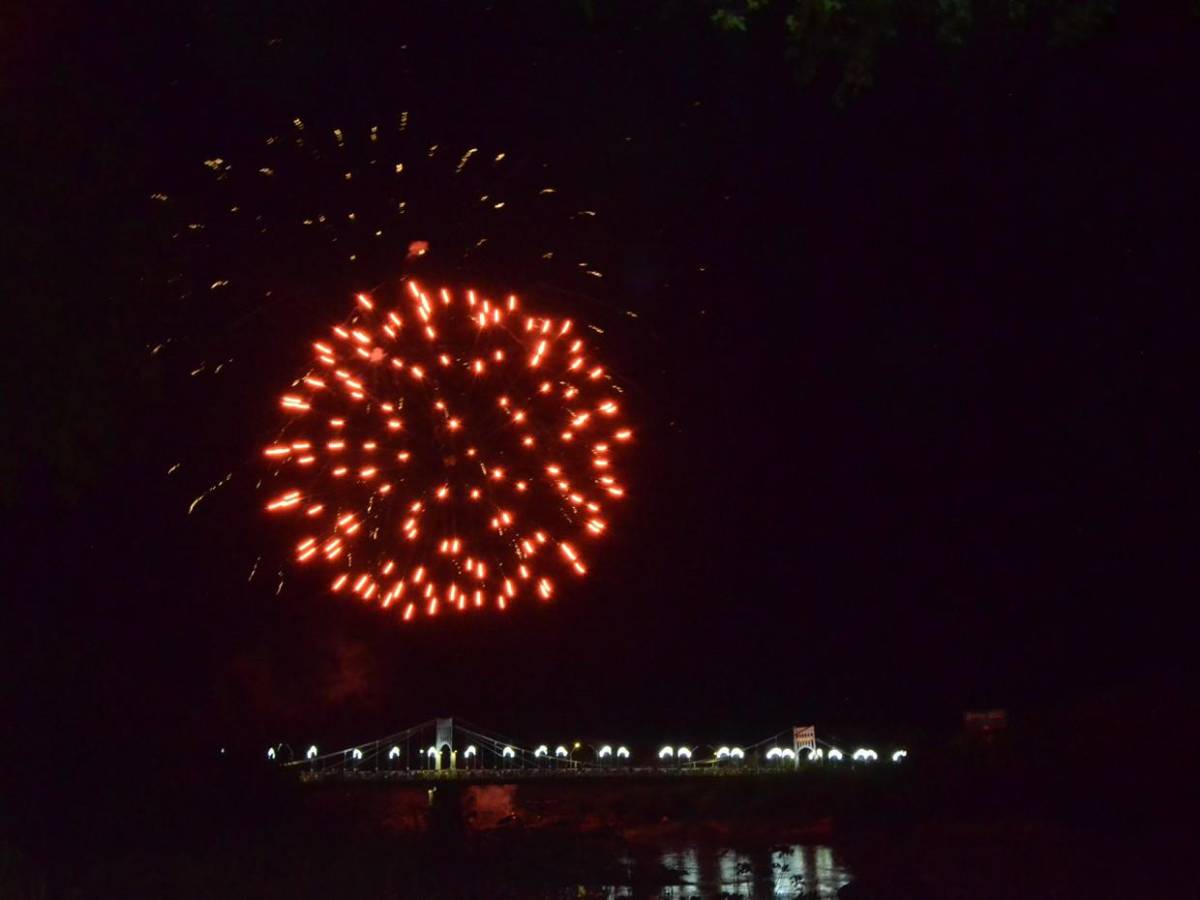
(666, 752)
(737, 753)
(622, 753)
(865, 754)
(508, 753)
(815, 754)
(683, 753)
(774, 753)
(356, 754)
(605, 752)
(270, 753)
(835, 754)
(312, 752)
(394, 753)
(561, 752)
(722, 753)
(542, 750)
(899, 755)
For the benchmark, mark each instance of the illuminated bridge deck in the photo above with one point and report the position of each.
(442, 750)
(508, 776)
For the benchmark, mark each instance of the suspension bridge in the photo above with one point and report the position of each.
(453, 750)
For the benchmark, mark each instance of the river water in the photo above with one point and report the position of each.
(547, 841)
(787, 870)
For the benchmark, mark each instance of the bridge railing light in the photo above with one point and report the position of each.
(666, 752)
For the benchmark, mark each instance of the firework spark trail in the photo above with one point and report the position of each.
(449, 450)
(212, 488)
(349, 197)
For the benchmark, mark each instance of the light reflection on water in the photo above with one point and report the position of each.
(702, 871)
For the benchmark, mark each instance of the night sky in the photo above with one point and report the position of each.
(913, 376)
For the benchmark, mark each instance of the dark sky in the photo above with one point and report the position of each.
(920, 435)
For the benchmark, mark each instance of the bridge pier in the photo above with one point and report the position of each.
(445, 813)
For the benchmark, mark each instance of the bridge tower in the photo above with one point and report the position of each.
(445, 738)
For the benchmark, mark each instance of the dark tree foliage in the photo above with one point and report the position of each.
(846, 37)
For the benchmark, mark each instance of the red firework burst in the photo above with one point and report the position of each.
(449, 450)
